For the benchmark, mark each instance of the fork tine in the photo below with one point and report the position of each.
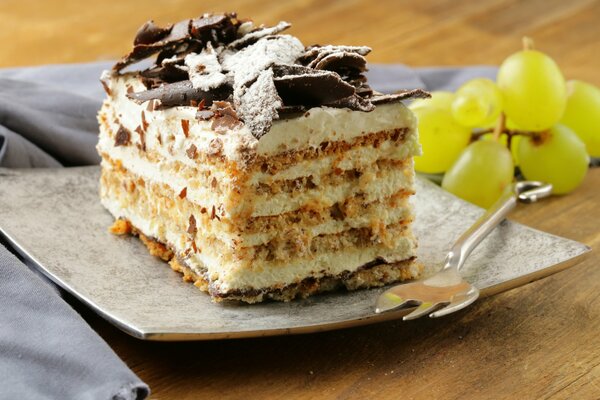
(423, 309)
(458, 303)
(388, 301)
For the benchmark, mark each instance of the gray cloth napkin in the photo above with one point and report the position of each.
(48, 119)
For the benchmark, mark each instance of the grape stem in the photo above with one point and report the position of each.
(527, 43)
(500, 126)
(510, 133)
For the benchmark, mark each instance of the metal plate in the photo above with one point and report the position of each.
(53, 217)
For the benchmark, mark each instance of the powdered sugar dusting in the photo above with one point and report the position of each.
(248, 63)
(258, 105)
(204, 69)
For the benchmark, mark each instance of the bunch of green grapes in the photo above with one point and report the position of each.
(530, 118)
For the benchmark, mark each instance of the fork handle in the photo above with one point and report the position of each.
(527, 191)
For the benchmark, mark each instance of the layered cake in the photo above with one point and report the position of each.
(258, 167)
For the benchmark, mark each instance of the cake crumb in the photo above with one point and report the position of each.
(120, 227)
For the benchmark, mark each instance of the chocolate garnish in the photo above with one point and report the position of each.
(322, 87)
(165, 73)
(180, 93)
(192, 229)
(204, 115)
(246, 75)
(140, 131)
(144, 123)
(192, 151)
(225, 123)
(398, 96)
(104, 79)
(215, 146)
(224, 108)
(314, 54)
(150, 33)
(217, 28)
(183, 193)
(185, 127)
(258, 105)
(123, 136)
(354, 102)
(342, 60)
(257, 34)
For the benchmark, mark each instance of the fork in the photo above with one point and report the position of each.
(446, 291)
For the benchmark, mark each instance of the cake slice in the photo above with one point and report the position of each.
(258, 167)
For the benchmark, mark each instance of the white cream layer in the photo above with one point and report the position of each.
(226, 276)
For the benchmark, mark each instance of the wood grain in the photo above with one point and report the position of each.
(538, 341)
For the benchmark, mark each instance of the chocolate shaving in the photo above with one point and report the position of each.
(123, 136)
(144, 123)
(225, 123)
(142, 134)
(183, 193)
(322, 87)
(214, 28)
(150, 33)
(399, 96)
(244, 75)
(313, 55)
(215, 147)
(104, 80)
(204, 115)
(259, 33)
(353, 102)
(192, 152)
(342, 60)
(258, 105)
(192, 229)
(180, 93)
(185, 127)
(169, 73)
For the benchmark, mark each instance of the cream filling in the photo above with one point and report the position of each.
(227, 276)
(355, 158)
(380, 214)
(331, 124)
(373, 186)
(266, 275)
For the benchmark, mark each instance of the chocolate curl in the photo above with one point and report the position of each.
(315, 88)
(379, 98)
(151, 39)
(180, 94)
(257, 34)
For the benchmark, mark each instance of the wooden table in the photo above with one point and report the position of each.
(538, 341)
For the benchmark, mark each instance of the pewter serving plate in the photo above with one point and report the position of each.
(54, 219)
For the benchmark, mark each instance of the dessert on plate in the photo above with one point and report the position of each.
(258, 167)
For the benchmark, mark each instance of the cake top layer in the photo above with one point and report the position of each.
(246, 74)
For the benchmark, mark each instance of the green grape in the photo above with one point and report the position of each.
(439, 98)
(481, 173)
(582, 114)
(514, 144)
(533, 90)
(441, 138)
(478, 102)
(556, 156)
